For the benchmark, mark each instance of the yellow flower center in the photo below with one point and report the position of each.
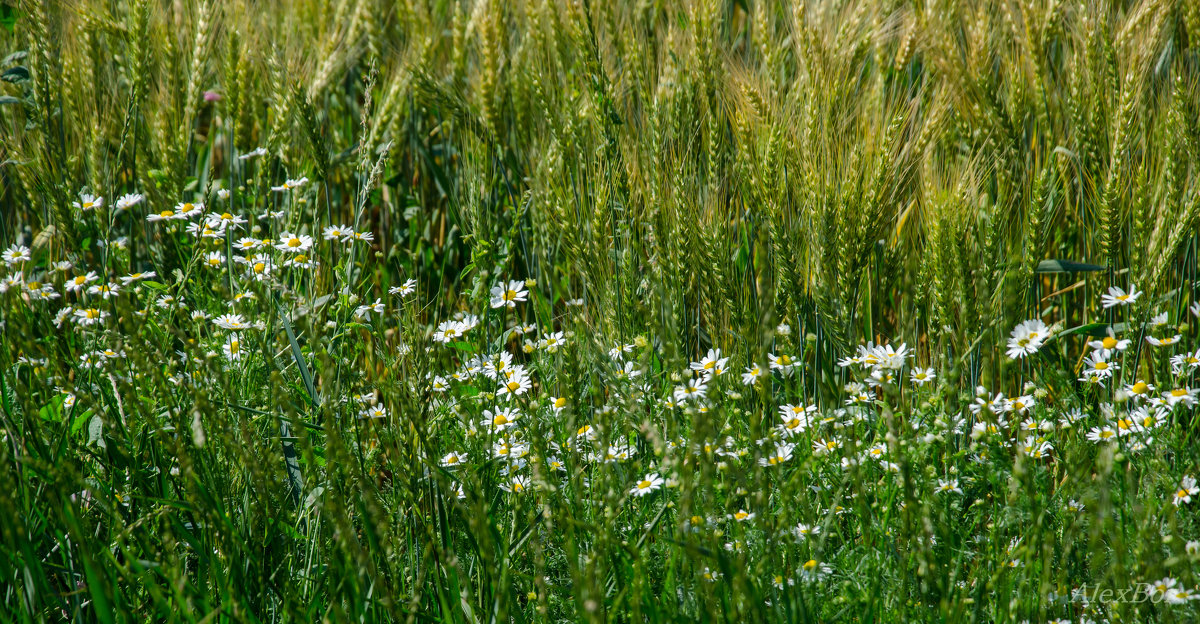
(1101, 365)
(810, 564)
(643, 484)
(1139, 388)
(741, 515)
(1109, 342)
(500, 420)
(1178, 392)
(226, 216)
(259, 267)
(294, 242)
(166, 214)
(560, 402)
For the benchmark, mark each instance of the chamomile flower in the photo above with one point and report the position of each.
(452, 459)
(224, 221)
(752, 374)
(129, 200)
(500, 420)
(694, 390)
(648, 484)
(507, 295)
(1185, 396)
(1187, 489)
(104, 290)
(518, 485)
(1102, 434)
(233, 322)
(137, 277)
(294, 243)
(806, 531)
(290, 184)
(1118, 297)
(711, 365)
(1163, 342)
(1026, 338)
(922, 376)
(375, 411)
(515, 384)
(405, 289)
(90, 316)
(364, 311)
(254, 153)
(948, 486)
(550, 343)
(336, 232)
(88, 202)
(15, 254)
(1109, 343)
(233, 347)
(782, 363)
(447, 331)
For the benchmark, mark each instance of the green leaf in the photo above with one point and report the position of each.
(298, 355)
(8, 19)
(1066, 266)
(53, 410)
(8, 99)
(78, 422)
(154, 285)
(96, 431)
(463, 346)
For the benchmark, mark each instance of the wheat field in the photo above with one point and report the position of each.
(540, 311)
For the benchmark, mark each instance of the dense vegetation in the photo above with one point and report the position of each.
(537, 310)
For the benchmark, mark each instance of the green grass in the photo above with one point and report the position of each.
(662, 182)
